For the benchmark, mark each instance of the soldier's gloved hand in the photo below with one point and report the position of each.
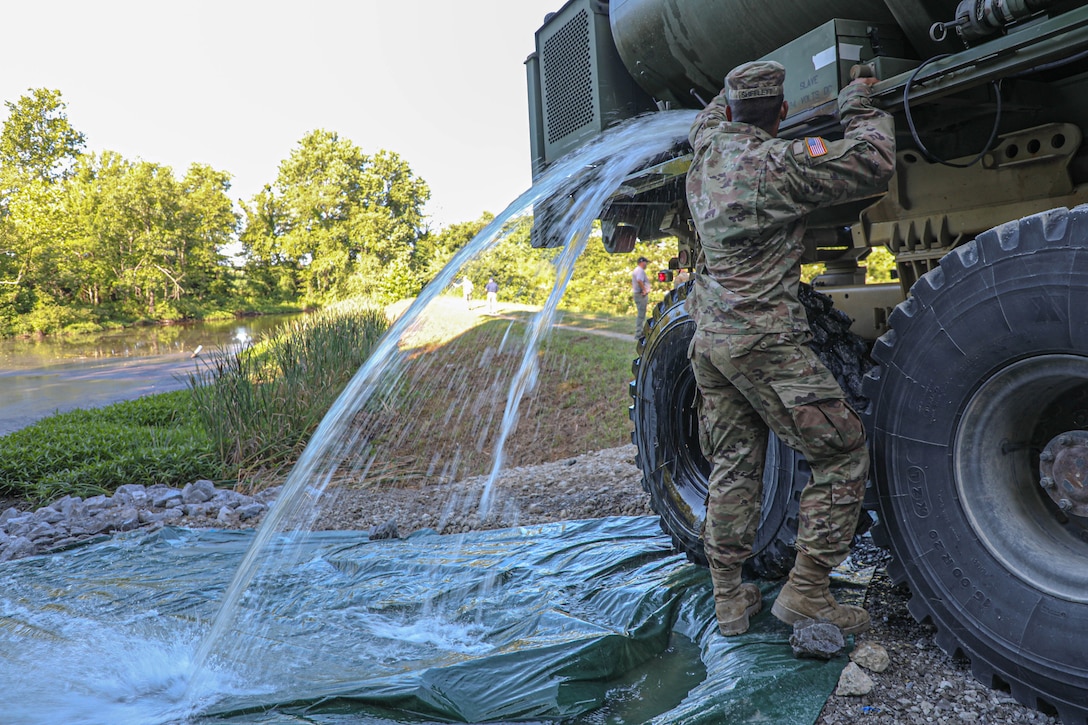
(869, 81)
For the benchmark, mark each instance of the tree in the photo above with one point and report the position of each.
(880, 266)
(207, 224)
(99, 247)
(438, 249)
(37, 141)
(165, 236)
(143, 241)
(38, 148)
(343, 221)
(320, 183)
(83, 235)
(270, 273)
(31, 225)
(600, 283)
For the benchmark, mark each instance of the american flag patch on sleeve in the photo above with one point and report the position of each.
(816, 146)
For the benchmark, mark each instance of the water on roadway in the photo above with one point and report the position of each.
(40, 377)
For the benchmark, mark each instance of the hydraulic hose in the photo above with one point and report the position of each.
(996, 85)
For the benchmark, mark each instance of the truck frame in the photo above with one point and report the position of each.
(975, 398)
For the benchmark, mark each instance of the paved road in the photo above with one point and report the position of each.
(29, 396)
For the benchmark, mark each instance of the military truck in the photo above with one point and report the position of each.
(976, 403)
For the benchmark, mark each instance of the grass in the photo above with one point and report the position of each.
(446, 414)
(155, 439)
(253, 412)
(260, 407)
(582, 399)
(602, 322)
(250, 417)
(448, 318)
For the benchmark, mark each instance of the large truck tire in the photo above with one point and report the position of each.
(982, 379)
(666, 432)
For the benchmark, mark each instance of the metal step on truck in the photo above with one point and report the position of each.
(970, 369)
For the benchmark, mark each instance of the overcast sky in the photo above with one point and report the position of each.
(236, 83)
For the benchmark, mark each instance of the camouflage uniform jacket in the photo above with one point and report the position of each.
(749, 194)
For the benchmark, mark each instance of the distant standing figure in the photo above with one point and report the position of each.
(640, 288)
(466, 288)
(492, 288)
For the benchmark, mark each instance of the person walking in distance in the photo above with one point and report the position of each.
(466, 290)
(492, 288)
(749, 193)
(640, 289)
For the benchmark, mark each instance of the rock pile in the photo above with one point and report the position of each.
(72, 519)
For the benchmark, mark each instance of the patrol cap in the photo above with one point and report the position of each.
(758, 79)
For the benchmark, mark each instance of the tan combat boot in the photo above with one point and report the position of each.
(806, 596)
(734, 602)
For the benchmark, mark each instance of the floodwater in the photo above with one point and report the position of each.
(43, 376)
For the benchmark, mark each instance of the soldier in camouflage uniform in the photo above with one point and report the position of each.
(749, 194)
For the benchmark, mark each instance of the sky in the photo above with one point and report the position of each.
(235, 84)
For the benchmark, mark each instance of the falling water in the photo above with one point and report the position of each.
(206, 666)
(597, 171)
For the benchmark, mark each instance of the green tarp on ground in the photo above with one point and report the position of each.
(581, 622)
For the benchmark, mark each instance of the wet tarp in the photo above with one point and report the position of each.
(580, 622)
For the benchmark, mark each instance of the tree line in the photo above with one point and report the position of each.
(89, 239)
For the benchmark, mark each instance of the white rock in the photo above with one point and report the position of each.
(853, 682)
(871, 656)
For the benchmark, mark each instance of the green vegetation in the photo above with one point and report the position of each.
(253, 412)
(260, 408)
(444, 411)
(336, 223)
(597, 321)
(600, 285)
(248, 420)
(879, 266)
(92, 239)
(156, 439)
(589, 377)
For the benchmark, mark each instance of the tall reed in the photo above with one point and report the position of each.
(261, 405)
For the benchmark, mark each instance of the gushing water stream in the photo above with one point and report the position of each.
(203, 662)
(597, 170)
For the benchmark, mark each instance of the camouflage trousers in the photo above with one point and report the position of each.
(750, 384)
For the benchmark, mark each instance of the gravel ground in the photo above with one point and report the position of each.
(922, 684)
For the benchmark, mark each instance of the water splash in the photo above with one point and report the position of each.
(481, 627)
(164, 666)
(596, 171)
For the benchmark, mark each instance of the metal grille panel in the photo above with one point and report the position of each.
(568, 78)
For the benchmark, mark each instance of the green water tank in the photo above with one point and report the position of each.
(672, 46)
